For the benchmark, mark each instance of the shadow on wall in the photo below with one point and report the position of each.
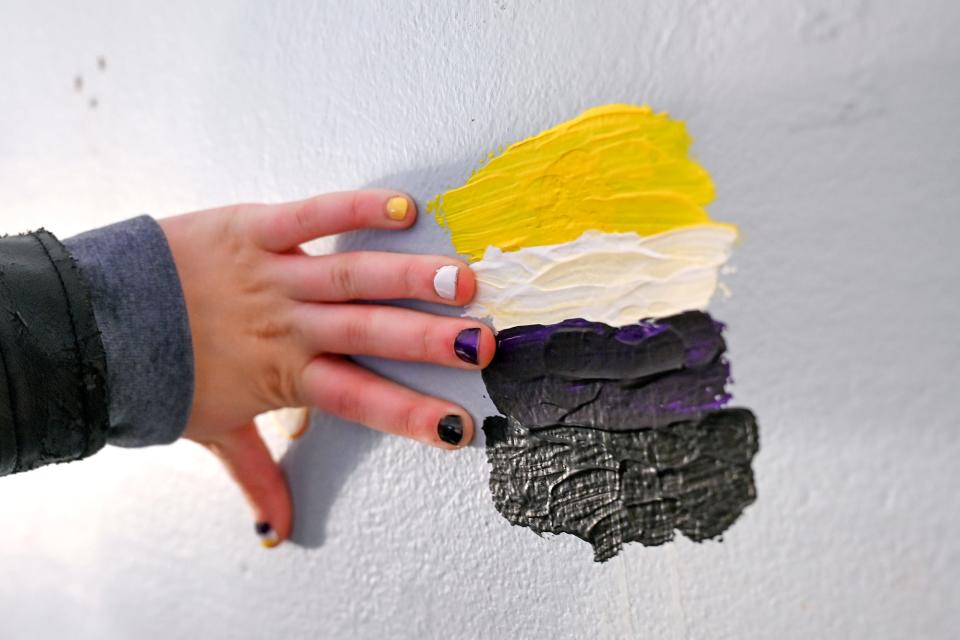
(319, 465)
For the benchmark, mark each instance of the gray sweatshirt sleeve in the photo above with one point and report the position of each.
(140, 310)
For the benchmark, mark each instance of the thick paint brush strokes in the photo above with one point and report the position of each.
(615, 168)
(613, 404)
(605, 277)
(581, 349)
(614, 487)
(589, 374)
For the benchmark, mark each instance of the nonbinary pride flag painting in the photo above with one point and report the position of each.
(595, 260)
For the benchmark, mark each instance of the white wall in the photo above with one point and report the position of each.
(832, 130)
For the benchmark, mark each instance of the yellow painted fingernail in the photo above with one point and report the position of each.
(397, 208)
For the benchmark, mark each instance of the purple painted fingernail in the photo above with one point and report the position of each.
(467, 344)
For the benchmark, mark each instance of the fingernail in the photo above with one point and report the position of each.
(445, 281)
(397, 208)
(450, 429)
(467, 344)
(268, 537)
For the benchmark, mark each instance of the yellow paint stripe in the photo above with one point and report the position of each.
(615, 168)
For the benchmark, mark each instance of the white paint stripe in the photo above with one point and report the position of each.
(617, 278)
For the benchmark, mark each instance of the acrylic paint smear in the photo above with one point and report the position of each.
(609, 488)
(616, 278)
(589, 374)
(615, 168)
(581, 349)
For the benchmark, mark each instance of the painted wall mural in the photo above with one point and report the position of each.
(595, 260)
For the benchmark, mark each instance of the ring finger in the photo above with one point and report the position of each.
(395, 333)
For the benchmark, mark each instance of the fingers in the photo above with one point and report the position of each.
(349, 391)
(285, 226)
(371, 275)
(250, 464)
(395, 333)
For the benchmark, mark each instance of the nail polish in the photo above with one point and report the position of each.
(397, 208)
(445, 281)
(467, 344)
(450, 429)
(268, 537)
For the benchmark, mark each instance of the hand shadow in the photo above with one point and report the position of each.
(320, 464)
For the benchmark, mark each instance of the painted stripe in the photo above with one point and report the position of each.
(609, 488)
(616, 168)
(644, 376)
(616, 278)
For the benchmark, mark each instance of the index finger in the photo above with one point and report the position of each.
(283, 227)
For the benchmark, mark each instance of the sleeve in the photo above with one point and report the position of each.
(53, 368)
(95, 344)
(139, 306)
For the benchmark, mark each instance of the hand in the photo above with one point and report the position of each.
(273, 327)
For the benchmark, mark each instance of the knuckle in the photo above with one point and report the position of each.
(279, 387)
(431, 347)
(234, 235)
(357, 333)
(356, 213)
(410, 277)
(344, 279)
(350, 406)
(426, 342)
(270, 330)
(303, 214)
(410, 422)
(422, 345)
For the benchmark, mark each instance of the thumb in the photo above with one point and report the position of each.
(251, 466)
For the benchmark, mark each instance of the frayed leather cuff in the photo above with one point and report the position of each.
(53, 370)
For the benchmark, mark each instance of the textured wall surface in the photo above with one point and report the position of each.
(831, 131)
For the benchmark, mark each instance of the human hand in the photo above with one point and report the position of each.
(273, 327)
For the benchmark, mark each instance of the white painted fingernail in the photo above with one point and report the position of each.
(445, 282)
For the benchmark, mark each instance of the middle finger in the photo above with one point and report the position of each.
(375, 275)
(395, 333)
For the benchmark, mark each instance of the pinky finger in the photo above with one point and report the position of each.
(250, 464)
(351, 392)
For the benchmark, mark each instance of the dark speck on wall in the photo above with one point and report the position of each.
(79, 83)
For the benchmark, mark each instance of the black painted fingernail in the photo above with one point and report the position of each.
(268, 537)
(467, 345)
(451, 429)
